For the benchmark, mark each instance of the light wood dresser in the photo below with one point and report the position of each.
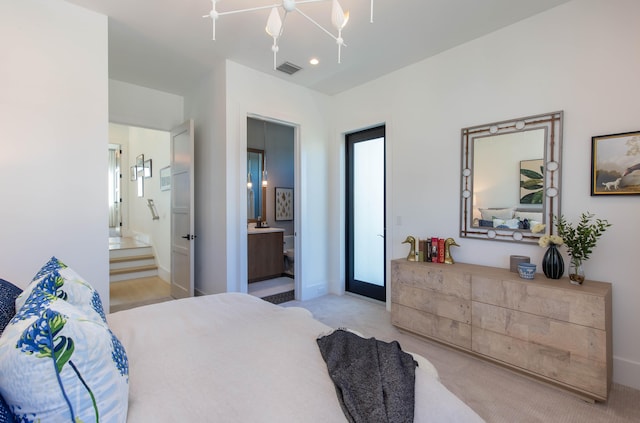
(547, 329)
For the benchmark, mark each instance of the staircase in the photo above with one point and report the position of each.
(130, 259)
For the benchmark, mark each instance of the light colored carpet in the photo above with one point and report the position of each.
(496, 394)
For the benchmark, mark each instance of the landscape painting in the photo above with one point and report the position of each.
(615, 164)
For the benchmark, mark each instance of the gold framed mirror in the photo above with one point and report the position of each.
(510, 178)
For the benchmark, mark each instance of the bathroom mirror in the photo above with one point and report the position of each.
(510, 178)
(256, 203)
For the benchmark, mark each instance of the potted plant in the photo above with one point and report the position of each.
(580, 241)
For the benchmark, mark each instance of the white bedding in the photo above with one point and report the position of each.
(235, 358)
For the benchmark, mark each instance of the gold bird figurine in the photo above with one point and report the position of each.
(447, 253)
(412, 252)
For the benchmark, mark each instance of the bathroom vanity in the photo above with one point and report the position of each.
(265, 255)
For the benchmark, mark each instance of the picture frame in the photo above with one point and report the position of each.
(284, 203)
(165, 178)
(147, 168)
(531, 181)
(615, 164)
(140, 174)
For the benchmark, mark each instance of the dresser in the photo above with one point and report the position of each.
(548, 329)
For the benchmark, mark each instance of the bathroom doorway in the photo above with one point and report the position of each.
(271, 170)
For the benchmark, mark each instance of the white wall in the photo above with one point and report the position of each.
(206, 105)
(236, 92)
(53, 115)
(581, 57)
(134, 105)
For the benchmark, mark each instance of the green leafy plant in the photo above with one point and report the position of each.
(581, 239)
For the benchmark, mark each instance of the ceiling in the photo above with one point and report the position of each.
(167, 44)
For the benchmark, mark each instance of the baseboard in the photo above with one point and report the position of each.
(626, 372)
(164, 274)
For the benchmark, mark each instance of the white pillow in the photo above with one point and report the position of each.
(529, 216)
(57, 365)
(490, 214)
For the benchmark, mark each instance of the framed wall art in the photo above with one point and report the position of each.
(284, 203)
(165, 178)
(615, 164)
(531, 181)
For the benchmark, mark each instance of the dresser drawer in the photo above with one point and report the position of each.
(572, 304)
(569, 354)
(432, 326)
(437, 277)
(445, 305)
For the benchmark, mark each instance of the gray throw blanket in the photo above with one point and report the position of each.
(374, 380)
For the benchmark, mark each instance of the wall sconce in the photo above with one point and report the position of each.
(249, 183)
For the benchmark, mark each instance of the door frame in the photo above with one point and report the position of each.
(371, 291)
(297, 213)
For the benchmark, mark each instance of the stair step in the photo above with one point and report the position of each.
(131, 258)
(128, 252)
(133, 269)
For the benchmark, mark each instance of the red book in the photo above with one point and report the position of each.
(434, 249)
(440, 250)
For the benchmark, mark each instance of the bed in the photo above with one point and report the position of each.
(229, 358)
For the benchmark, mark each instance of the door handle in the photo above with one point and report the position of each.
(189, 237)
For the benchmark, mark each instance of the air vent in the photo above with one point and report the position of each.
(288, 68)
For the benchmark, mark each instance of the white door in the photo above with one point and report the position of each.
(182, 227)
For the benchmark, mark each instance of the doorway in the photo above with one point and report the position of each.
(139, 251)
(115, 194)
(271, 170)
(366, 214)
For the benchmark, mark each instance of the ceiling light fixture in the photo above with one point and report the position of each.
(275, 24)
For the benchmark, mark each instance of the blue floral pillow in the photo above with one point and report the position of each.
(59, 280)
(8, 294)
(58, 365)
(5, 414)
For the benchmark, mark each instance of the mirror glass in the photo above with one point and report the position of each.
(511, 178)
(256, 205)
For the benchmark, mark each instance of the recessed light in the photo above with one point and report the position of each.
(314, 61)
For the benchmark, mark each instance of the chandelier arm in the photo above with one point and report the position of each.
(318, 25)
(371, 18)
(251, 9)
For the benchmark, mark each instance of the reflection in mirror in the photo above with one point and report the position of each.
(256, 204)
(511, 178)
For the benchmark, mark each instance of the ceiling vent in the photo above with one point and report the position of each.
(288, 68)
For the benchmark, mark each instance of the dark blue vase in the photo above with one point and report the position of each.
(552, 263)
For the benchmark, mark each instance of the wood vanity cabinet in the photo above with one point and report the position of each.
(265, 256)
(547, 329)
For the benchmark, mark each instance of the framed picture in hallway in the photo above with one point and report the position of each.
(284, 203)
(165, 178)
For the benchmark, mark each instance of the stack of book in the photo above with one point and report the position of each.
(430, 249)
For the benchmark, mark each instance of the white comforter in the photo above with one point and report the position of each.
(235, 358)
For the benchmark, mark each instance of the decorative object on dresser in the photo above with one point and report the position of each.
(412, 250)
(615, 164)
(552, 263)
(527, 270)
(580, 241)
(514, 261)
(448, 243)
(552, 331)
